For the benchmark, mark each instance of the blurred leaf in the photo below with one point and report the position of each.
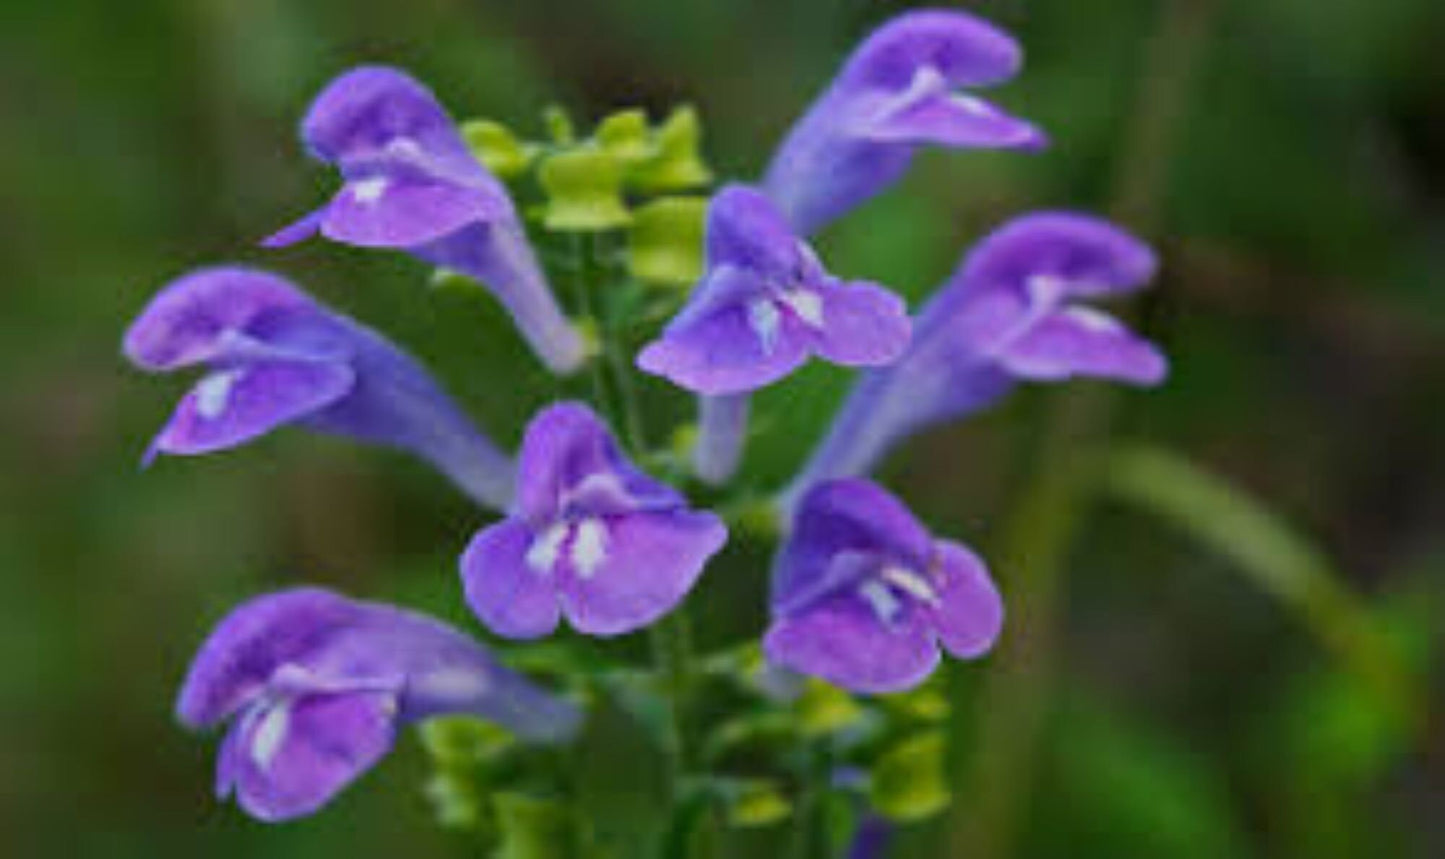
(908, 783)
(757, 802)
(1127, 789)
(1275, 558)
(532, 828)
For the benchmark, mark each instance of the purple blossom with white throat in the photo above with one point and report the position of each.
(273, 356)
(1013, 312)
(764, 306)
(412, 184)
(863, 596)
(589, 537)
(315, 687)
(900, 89)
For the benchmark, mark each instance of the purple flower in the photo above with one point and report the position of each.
(589, 536)
(765, 305)
(273, 356)
(863, 596)
(1013, 312)
(315, 686)
(899, 90)
(412, 184)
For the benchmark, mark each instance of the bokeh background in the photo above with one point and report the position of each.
(1182, 677)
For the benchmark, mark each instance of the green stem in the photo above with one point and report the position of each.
(584, 283)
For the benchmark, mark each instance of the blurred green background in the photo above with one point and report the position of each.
(1205, 691)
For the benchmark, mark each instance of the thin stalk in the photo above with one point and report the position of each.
(1054, 506)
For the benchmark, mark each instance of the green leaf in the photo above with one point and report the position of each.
(823, 709)
(677, 164)
(584, 191)
(665, 244)
(757, 802)
(463, 740)
(1273, 556)
(501, 151)
(908, 782)
(531, 828)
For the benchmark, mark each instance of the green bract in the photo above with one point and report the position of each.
(501, 151)
(584, 191)
(665, 245)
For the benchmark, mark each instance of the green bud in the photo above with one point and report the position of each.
(501, 151)
(677, 164)
(757, 803)
(531, 828)
(625, 136)
(584, 191)
(824, 708)
(463, 740)
(559, 125)
(666, 241)
(907, 782)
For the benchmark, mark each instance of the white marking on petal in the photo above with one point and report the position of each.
(213, 393)
(807, 304)
(1093, 320)
(404, 146)
(1045, 290)
(911, 583)
(603, 483)
(368, 191)
(270, 733)
(927, 80)
(880, 599)
(545, 549)
(765, 319)
(589, 547)
(971, 104)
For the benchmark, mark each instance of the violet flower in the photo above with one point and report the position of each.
(315, 686)
(863, 596)
(589, 537)
(764, 305)
(899, 90)
(412, 184)
(1012, 313)
(273, 356)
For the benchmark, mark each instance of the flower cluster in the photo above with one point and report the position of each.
(863, 596)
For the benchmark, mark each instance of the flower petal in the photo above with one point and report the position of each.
(186, 321)
(391, 211)
(645, 563)
(366, 110)
(965, 49)
(729, 351)
(569, 457)
(1081, 341)
(287, 758)
(837, 519)
(970, 612)
(863, 325)
(508, 594)
(252, 641)
(843, 641)
(234, 404)
(950, 119)
(1083, 256)
(745, 229)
